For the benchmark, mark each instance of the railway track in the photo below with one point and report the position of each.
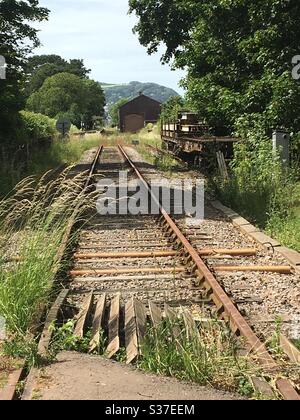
(131, 270)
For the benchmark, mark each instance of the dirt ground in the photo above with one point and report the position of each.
(81, 377)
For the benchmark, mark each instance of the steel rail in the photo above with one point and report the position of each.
(72, 220)
(93, 167)
(225, 306)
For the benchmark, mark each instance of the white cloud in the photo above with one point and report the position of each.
(100, 32)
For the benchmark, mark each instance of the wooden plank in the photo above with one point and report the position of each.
(8, 392)
(155, 314)
(171, 315)
(262, 386)
(30, 384)
(113, 255)
(159, 254)
(97, 323)
(190, 325)
(131, 335)
(51, 317)
(263, 268)
(148, 277)
(141, 320)
(113, 327)
(222, 165)
(82, 316)
(290, 350)
(247, 252)
(78, 273)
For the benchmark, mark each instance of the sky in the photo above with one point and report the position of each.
(100, 32)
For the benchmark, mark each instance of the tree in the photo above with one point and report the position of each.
(167, 21)
(171, 108)
(114, 111)
(67, 95)
(17, 38)
(37, 61)
(40, 67)
(237, 54)
(95, 102)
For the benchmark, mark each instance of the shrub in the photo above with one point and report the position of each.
(259, 187)
(37, 126)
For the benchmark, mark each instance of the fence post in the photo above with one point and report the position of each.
(281, 142)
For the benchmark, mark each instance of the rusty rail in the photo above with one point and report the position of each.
(72, 220)
(93, 167)
(226, 308)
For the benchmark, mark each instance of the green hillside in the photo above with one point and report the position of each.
(116, 92)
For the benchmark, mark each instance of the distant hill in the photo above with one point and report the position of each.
(115, 92)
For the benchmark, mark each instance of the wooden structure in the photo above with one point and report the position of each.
(190, 137)
(137, 113)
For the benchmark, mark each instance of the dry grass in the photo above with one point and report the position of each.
(36, 217)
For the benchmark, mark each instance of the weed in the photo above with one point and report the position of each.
(207, 358)
(36, 395)
(297, 343)
(22, 347)
(20, 389)
(63, 339)
(165, 163)
(121, 356)
(33, 223)
(102, 346)
(262, 191)
(7, 366)
(273, 343)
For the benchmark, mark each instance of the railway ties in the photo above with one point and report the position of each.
(125, 269)
(129, 271)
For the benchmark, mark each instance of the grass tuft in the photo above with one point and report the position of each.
(209, 357)
(33, 222)
(60, 152)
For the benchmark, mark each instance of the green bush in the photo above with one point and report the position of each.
(259, 187)
(37, 126)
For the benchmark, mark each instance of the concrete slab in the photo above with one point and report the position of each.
(292, 256)
(264, 239)
(226, 210)
(248, 229)
(81, 377)
(239, 221)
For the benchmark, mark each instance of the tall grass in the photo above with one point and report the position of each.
(32, 224)
(287, 229)
(207, 356)
(60, 152)
(68, 152)
(263, 191)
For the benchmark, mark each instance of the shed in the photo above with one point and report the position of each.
(137, 113)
